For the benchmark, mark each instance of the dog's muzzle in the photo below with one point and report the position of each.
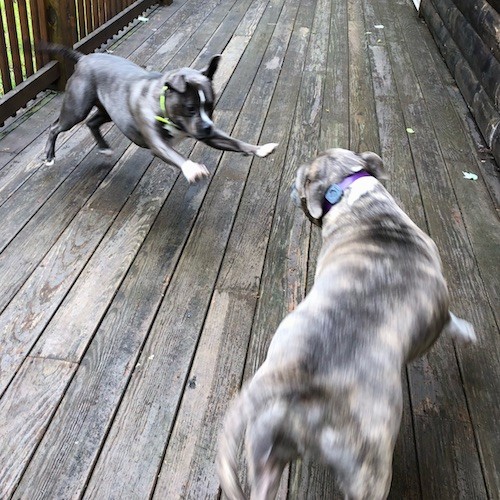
(301, 203)
(205, 131)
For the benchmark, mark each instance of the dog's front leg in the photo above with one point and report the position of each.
(192, 171)
(220, 140)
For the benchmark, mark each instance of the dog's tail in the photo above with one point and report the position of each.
(54, 48)
(254, 398)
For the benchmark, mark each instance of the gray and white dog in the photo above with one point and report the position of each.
(152, 109)
(330, 387)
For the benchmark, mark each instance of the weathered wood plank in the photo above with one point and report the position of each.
(436, 380)
(109, 354)
(175, 332)
(25, 410)
(477, 211)
(21, 257)
(403, 185)
(65, 457)
(167, 42)
(475, 218)
(68, 333)
(30, 158)
(335, 112)
(19, 212)
(363, 121)
(218, 364)
(27, 126)
(25, 201)
(28, 313)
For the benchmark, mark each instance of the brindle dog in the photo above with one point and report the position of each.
(330, 387)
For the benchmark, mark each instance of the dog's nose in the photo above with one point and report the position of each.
(205, 130)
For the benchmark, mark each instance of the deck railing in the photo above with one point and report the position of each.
(82, 24)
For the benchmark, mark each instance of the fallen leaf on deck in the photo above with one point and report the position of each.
(379, 26)
(470, 176)
(143, 19)
(410, 130)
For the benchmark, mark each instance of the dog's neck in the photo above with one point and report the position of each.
(336, 191)
(168, 124)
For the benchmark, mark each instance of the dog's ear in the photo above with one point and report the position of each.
(315, 192)
(374, 165)
(210, 70)
(177, 82)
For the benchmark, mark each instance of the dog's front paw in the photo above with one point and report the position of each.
(106, 152)
(194, 171)
(266, 149)
(49, 163)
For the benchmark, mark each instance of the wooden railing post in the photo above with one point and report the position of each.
(61, 28)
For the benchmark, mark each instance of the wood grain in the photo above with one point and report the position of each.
(218, 363)
(175, 332)
(25, 413)
(153, 300)
(436, 386)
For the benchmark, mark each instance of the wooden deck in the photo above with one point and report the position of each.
(133, 305)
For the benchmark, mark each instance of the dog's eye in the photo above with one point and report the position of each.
(190, 110)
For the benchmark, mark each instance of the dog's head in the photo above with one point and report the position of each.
(190, 99)
(331, 167)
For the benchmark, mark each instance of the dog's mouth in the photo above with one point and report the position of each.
(302, 203)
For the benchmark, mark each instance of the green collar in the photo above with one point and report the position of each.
(164, 119)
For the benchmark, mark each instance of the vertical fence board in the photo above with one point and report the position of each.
(14, 42)
(4, 65)
(80, 9)
(95, 15)
(42, 28)
(89, 20)
(35, 24)
(25, 35)
(24, 70)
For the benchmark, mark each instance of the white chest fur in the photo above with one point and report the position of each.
(361, 187)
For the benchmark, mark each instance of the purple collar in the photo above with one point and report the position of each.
(335, 192)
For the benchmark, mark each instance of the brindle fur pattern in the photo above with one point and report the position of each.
(330, 387)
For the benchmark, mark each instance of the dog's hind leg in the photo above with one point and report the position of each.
(268, 452)
(460, 330)
(100, 117)
(78, 101)
(361, 475)
(64, 123)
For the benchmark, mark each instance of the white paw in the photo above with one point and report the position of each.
(266, 149)
(194, 171)
(106, 152)
(49, 163)
(461, 330)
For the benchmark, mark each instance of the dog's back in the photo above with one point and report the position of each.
(330, 386)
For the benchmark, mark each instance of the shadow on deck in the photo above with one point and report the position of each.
(133, 305)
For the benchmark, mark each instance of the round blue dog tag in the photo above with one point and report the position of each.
(334, 193)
